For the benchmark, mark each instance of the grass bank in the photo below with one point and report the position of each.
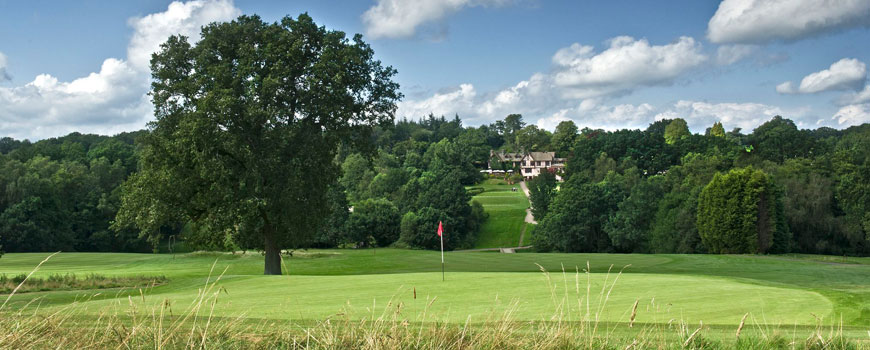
(507, 212)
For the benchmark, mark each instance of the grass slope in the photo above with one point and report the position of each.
(507, 212)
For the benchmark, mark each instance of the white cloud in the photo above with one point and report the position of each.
(3, 74)
(476, 109)
(747, 116)
(179, 18)
(624, 66)
(528, 97)
(589, 114)
(113, 99)
(762, 21)
(699, 115)
(786, 88)
(579, 75)
(401, 18)
(860, 97)
(853, 115)
(459, 100)
(845, 74)
(730, 54)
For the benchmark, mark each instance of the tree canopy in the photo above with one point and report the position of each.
(248, 122)
(676, 130)
(741, 212)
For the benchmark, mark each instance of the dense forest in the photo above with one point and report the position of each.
(659, 190)
(63, 193)
(665, 190)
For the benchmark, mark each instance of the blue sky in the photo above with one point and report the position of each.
(82, 66)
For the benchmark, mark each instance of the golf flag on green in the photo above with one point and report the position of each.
(441, 235)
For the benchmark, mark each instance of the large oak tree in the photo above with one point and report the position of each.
(247, 124)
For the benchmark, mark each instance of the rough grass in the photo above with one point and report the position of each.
(69, 281)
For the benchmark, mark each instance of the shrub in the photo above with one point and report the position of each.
(377, 219)
(473, 191)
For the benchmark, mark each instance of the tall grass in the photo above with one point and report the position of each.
(132, 323)
(71, 281)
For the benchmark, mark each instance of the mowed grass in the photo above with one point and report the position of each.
(775, 290)
(474, 296)
(507, 212)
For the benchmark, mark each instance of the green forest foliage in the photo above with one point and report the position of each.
(741, 212)
(542, 190)
(63, 193)
(663, 190)
(625, 190)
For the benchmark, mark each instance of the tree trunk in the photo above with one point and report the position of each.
(273, 255)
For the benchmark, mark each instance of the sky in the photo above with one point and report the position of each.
(83, 66)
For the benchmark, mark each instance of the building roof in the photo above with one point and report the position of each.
(542, 156)
(507, 157)
(534, 156)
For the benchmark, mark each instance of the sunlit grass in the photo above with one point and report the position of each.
(585, 312)
(506, 209)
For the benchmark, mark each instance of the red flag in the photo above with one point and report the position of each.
(440, 229)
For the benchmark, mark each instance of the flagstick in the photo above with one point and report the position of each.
(442, 257)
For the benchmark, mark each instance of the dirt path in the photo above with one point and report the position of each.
(529, 217)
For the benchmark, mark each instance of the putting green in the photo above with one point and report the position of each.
(661, 298)
(777, 290)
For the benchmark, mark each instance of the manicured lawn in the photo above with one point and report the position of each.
(477, 295)
(775, 290)
(507, 213)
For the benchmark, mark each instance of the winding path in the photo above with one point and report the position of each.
(530, 219)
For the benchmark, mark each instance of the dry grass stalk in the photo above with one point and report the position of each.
(633, 314)
(742, 322)
(25, 280)
(695, 333)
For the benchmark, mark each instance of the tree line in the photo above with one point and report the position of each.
(659, 190)
(777, 189)
(63, 193)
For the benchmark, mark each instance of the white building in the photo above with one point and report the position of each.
(529, 164)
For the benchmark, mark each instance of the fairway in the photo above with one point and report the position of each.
(777, 291)
(507, 212)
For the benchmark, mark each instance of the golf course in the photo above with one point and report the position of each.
(435, 175)
(776, 291)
